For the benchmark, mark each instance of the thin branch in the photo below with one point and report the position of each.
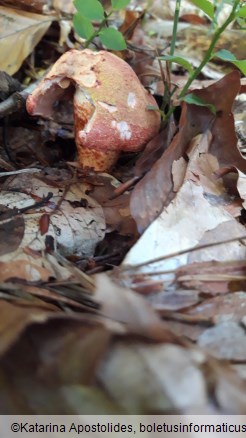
(16, 101)
(179, 253)
(16, 172)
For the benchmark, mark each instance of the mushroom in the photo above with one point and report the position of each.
(110, 105)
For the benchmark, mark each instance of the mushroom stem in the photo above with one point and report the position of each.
(97, 159)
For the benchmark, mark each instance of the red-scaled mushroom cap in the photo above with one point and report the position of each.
(110, 105)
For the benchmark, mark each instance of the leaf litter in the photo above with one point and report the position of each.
(163, 337)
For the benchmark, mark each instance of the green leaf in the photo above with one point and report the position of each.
(241, 64)
(242, 12)
(179, 60)
(195, 100)
(91, 9)
(112, 39)
(83, 26)
(205, 6)
(119, 4)
(226, 55)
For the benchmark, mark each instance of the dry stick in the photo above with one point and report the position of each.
(17, 172)
(216, 264)
(15, 102)
(178, 253)
(18, 99)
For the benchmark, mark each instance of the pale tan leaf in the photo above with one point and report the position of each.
(38, 6)
(31, 267)
(198, 215)
(227, 340)
(241, 185)
(65, 6)
(20, 32)
(154, 378)
(126, 306)
(231, 307)
(77, 225)
(230, 390)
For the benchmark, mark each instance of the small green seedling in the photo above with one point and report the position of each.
(90, 12)
(238, 11)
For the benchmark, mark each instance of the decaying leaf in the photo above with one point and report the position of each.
(16, 317)
(27, 265)
(116, 211)
(155, 190)
(227, 340)
(182, 225)
(69, 222)
(12, 229)
(126, 306)
(149, 338)
(39, 6)
(213, 277)
(20, 33)
(76, 221)
(46, 379)
(143, 377)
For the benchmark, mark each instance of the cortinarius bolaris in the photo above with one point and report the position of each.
(110, 105)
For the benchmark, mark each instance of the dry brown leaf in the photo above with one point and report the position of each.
(53, 357)
(213, 277)
(16, 317)
(55, 293)
(224, 142)
(84, 342)
(185, 223)
(14, 267)
(186, 329)
(116, 211)
(20, 33)
(174, 300)
(155, 190)
(39, 6)
(231, 307)
(127, 307)
(199, 211)
(77, 225)
(154, 149)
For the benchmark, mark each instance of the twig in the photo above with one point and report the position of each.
(17, 101)
(16, 172)
(179, 253)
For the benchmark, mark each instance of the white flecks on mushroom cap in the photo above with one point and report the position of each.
(123, 128)
(131, 100)
(82, 135)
